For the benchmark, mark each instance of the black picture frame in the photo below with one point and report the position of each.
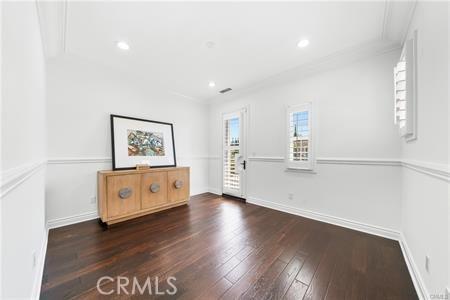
(113, 116)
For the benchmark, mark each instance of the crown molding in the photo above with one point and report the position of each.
(397, 20)
(332, 61)
(386, 18)
(53, 24)
(411, 12)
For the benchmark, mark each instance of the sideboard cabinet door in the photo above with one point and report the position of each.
(154, 189)
(178, 185)
(123, 195)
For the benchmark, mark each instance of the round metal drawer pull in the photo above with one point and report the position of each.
(125, 192)
(154, 187)
(178, 184)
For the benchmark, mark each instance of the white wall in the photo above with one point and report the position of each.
(353, 108)
(425, 199)
(81, 96)
(1, 165)
(23, 151)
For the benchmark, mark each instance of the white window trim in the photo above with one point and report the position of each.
(301, 165)
(243, 113)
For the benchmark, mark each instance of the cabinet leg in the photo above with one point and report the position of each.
(104, 225)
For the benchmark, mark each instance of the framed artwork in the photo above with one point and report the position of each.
(139, 141)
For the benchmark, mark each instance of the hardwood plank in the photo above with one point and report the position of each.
(281, 284)
(315, 246)
(217, 290)
(260, 288)
(319, 284)
(296, 291)
(221, 248)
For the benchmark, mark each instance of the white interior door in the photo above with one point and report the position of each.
(234, 157)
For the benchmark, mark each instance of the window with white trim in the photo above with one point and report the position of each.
(299, 137)
(405, 91)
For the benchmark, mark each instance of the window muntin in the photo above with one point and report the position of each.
(299, 148)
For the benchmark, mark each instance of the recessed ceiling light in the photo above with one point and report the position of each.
(212, 84)
(123, 45)
(210, 44)
(303, 43)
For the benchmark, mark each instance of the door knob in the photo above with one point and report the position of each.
(241, 163)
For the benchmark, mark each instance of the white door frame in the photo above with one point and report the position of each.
(242, 113)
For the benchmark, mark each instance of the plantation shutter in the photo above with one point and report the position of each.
(231, 153)
(405, 93)
(400, 94)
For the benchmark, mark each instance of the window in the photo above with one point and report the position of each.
(405, 91)
(231, 178)
(299, 141)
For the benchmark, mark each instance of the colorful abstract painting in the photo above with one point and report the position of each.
(143, 143)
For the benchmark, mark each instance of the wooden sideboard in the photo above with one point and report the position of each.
(124, 195)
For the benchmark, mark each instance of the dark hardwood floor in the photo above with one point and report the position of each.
(222, 248)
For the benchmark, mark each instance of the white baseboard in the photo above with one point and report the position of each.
(363, 227)
(367, 228)
(55, 223)
(199, 191)
(36, 291)
(419, 284)
(215, 191)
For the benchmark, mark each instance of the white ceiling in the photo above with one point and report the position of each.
(253, 40)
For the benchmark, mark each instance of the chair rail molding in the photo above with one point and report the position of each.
(358, 161)
(335, 160)
(101, 160)
(266, 158)
(78, 160)
(14, 177)
(439, 171)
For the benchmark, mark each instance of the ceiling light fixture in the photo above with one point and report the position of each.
(212, 84)
(122, 45)
(210, 44)
(303, 43)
